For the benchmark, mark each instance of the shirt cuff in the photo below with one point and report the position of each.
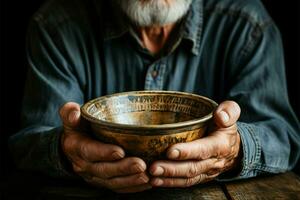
(62, 166)
(251, 148)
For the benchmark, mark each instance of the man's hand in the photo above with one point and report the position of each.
(100, 164)
(204, 159)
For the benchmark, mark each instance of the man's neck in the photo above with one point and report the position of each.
(155, 38)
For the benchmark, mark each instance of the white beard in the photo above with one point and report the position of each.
(154, 12)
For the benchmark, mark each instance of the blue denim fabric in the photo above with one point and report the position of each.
(224, 49)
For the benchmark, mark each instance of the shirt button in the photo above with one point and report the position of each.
(154, 74)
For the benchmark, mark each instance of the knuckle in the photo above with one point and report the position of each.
(84, 151)
(100, 171)
(227, 149)
(200, 179)
(225, 146)
(193, 170)
(204, 153)
(221, 164)
(212, 176)
(170, 171)
(67, 144)
(189, 182)
(78, 168)
(213, 172)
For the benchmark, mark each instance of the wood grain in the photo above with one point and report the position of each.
(282, 186)
(200, 192)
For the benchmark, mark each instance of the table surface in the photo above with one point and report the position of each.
(281, 186)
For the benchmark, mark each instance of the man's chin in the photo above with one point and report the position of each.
(154, 13)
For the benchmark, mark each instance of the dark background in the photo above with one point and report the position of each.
(14, 19)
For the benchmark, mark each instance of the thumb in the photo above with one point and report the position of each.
(70, 114)
(227, 114)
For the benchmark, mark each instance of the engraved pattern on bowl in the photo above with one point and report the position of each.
(146, 123)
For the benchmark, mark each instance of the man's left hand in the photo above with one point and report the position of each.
(204, 159)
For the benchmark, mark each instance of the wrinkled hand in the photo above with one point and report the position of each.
(102, 165)
(204, 159)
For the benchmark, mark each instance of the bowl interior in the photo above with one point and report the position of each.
(149, 108)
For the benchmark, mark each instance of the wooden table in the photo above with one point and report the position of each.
(281, 186)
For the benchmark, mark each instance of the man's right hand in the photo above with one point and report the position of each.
(102, 165)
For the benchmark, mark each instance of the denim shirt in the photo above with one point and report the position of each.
(78, 50)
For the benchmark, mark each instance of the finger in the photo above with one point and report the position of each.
(185, 169)
(124, 167)
(70, 114)
(227, 114)
(118, 183)
(94, 151)
(135, 189)
(181, 182)
(200, 149)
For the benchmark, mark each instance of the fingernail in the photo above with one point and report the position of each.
(174, 154)
(158, 182)
(158, 171)
(117, 155)
(224, 116)
(138, 168)
(74, 115)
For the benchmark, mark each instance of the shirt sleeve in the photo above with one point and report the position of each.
(268, 127)
(51, 82)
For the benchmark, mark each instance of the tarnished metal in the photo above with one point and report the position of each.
(146, 123)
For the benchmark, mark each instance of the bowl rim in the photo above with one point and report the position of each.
(195, 121)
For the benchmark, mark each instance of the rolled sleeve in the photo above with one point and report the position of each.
(268, 127)
(251, 149)
(44, 151)
(51, 82)
(254, 161)
(61, 166)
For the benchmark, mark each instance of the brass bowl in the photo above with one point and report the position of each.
(146, 123)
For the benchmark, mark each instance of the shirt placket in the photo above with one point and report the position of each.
(155, 75)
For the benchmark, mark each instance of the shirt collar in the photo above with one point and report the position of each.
(116, 24)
